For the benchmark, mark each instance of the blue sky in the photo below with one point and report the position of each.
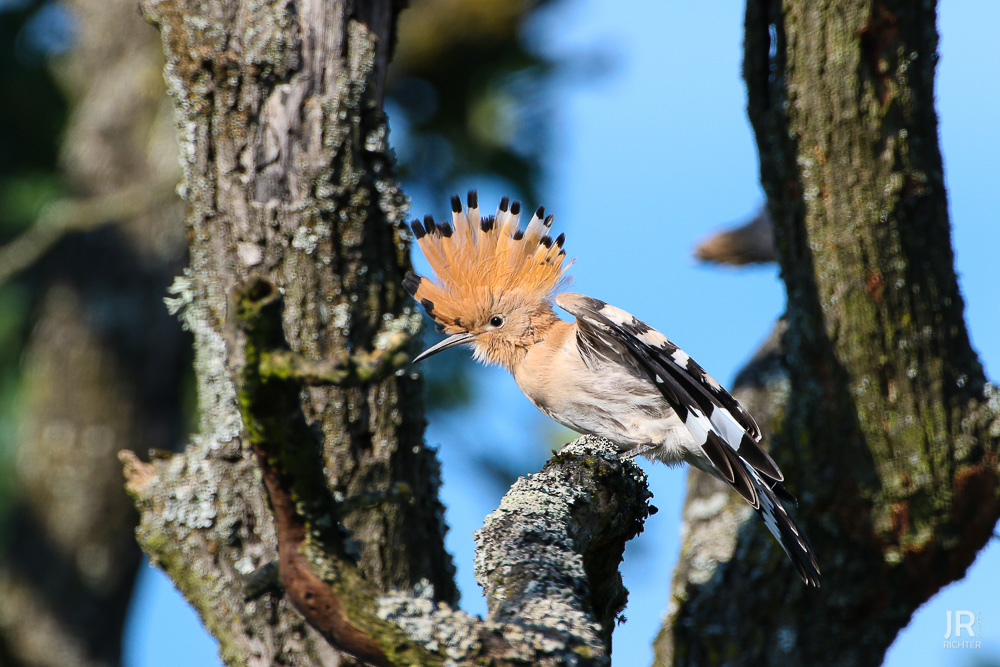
(647, 160)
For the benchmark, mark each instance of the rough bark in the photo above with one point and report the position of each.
(547, 560)
(89, 385)
(888, 430)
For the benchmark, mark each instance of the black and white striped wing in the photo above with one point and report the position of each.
(727, 434)
(716, 420)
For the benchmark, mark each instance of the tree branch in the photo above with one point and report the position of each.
(547, 560)
(66, 216)
(750, 243)
(549, 555)
(288, 175)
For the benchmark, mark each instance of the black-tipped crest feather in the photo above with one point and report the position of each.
(478, 255)
(411, 282)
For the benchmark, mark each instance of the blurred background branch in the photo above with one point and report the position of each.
(96, 238)
(64, 217)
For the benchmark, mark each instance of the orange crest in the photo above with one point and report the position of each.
(479, 261)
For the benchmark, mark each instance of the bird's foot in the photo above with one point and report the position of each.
(639, 450)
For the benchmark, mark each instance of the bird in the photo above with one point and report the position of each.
(605, 373)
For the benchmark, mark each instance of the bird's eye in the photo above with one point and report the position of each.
(496, 321)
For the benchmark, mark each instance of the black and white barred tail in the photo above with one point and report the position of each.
(783, 526)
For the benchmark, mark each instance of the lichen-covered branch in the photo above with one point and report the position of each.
(562, 531)
(547, 560)
(317, 572)
(883, 419)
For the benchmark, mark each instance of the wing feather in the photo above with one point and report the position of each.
(682, 382)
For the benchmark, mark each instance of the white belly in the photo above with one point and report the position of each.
(611, 403)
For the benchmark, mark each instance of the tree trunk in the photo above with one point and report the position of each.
(881, 418)
(287, 176)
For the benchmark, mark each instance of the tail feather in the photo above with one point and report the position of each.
(785, 530)
(782, 493)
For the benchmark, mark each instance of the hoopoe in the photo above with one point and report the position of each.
(606, 374)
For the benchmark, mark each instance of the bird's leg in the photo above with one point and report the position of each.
(639, 450)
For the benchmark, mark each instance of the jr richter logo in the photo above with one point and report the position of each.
(959, 622)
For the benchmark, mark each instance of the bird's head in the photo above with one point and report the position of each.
(495, 282)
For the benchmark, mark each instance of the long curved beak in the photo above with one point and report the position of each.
(450, 341)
